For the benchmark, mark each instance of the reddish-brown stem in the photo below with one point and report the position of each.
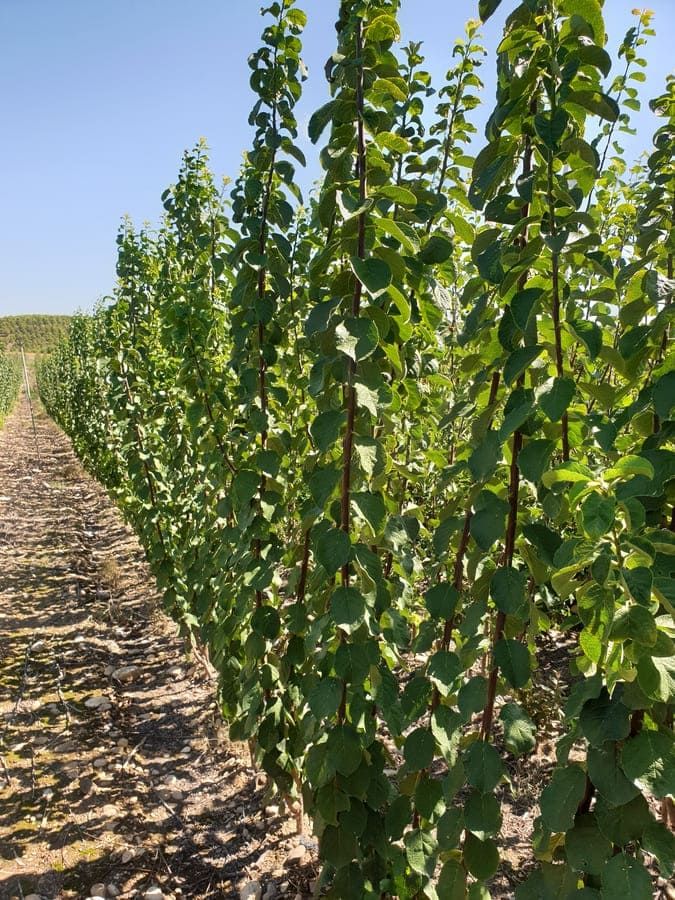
(348, 440)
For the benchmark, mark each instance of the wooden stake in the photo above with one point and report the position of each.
(30, 402)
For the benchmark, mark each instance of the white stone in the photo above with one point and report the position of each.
(153, 893)
(271, 811)
(252, 890)
(296, 855)
(95, 702)
(126, 673)
(97, 890)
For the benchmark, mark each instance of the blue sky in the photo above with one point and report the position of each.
(99, 99)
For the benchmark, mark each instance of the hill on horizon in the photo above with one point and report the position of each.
(38, 333)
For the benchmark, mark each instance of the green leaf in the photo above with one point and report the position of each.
(487, 521)
(628, 467)
(660, 841)
(441, 601)
(624, 878)
(472, 696)
(610, 782)
(656, 677)
(444, 667)
(597, 515)
(648, 759)
(567, 472)
(534, 458)
(332, 550)
(383, 28)
(555, 396)
(347, 608)
(266, 621)
(518, 362)
(486, 8)
(373, 273)
(520, 733)
(482, 814)
(325, 429)
(604, 718)
(343, 749)
(452, 881)
(561, 798)
(550, 127)
(436, 250)
(586, 848)
(591, 12)
(523, 304)
(320, 120)
(597, 103)
(480, 857)
(397, 194)
(590, 334)
(324, 699)
(623, 824)
(418, 850)
(663, 395)
(507, 589)
(486, 457)
(513, 659)
(370, 505)
(634, 623)
(338, 846)
(449, 829)
(483, 766)
(419, 749)
(356, 338)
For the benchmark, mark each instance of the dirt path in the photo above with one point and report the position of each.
(115, 776)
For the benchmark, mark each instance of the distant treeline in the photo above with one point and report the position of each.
(37, 333)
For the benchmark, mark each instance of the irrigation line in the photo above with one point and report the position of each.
(30, 403)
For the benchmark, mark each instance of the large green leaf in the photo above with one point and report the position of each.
(586, 848)
(486, 457)
(625, 878)
(374, 274)
(597, 514)
(520, 733)
(418, 749)
(482, 814)
(623, 824)
(452, 881)
(441, 600)
(370, 505)
(561, 797)
(332, 549)
(338, 846)
(356, 338)
(507, 589)
(486, 8)
(347, 608)
(555, 396)
(480, 857)
(604, 718)
(648, 759)
(483, 766)
(513, 659)
(324, 699)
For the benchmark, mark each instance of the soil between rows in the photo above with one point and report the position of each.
(143, 791)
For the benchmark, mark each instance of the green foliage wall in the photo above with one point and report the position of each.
(36, 333)
(378, 444)
(10, 381)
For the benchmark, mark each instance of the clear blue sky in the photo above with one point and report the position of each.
(100, 97)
